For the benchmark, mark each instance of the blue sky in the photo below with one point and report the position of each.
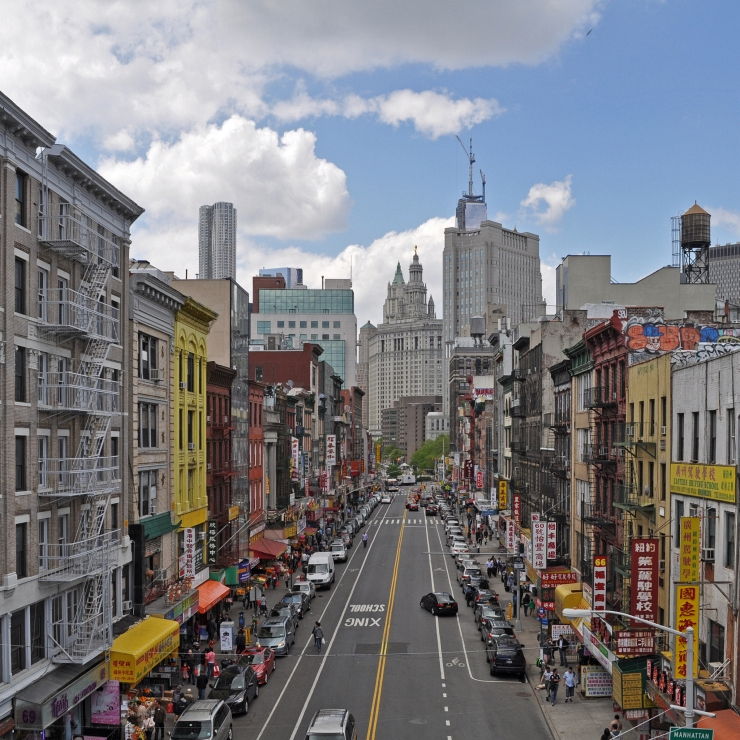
(332, 125)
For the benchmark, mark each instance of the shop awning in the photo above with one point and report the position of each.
(267, 549)
(210, 593)
(725, 725)
(567, 596)
(309, 530)
(142, 647)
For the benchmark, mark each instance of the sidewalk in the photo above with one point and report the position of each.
(583, 719)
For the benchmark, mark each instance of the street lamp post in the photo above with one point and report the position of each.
(688, 634)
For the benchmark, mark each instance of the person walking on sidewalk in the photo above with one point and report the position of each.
(201, 684)
(569, 679)
(563, 650)
(159, 716)
(554, 683)
(318, 636)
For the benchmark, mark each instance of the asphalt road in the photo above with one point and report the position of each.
(402, 672)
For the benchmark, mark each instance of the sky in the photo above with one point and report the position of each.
(332, 125)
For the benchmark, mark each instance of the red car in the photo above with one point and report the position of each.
(262, 660)
(412, 505)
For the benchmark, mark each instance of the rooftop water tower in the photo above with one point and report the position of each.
(695, 240)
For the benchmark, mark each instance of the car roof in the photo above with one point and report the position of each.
(444, 595)
(327, 719)
(200, 709)
(274, 622)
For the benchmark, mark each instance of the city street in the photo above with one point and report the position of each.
(397, 668)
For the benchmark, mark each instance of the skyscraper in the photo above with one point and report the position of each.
(217, 241)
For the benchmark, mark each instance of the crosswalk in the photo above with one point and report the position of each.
(409, 522)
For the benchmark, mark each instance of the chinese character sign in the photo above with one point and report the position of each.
(553, 578)
(517, 508)
(599, 592)
(689, 547)
(189, 544)
(539, 545)
(510, 536)
(636, 642)
(295, 458)
(479, 479)
(503, 498)
(644, 556)
(212, 530)
(687, 615)
(552, 540)
(331, 449)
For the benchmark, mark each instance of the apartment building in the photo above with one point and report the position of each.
(64, 237)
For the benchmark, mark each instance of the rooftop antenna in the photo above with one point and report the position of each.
(483, 181)
(471, 162)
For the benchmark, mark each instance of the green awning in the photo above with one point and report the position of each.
(157, 525)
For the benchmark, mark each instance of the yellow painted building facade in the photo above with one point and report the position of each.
(645, 498)
(190, 502)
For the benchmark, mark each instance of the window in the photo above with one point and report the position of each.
(710, 529)
(677, 521)
(314, 324)
(264, 327)
(62, 287)
(43, 288)
(18, 660)
(337, 324)
(21, 198)
(147, 425)
(337, 336)
(38, 636)
(20, 374)
(694, 436)
(291, 325)
(21, 483)
(729, 557)
(148, 357)
(324, 336)
(21, 549)
(712, 454)
(20, 285)
(731, 456)
(303, 324)
(314, 336)
(280, 324)
(679, 436)
(716, 647)
(191, 416)
(191, 372)
(115, 458)
(662, 481)
(43, 449)
(324, 324)
(147, 492)
(651, 417)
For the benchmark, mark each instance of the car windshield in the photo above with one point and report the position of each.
(318, 567)
(472, 572)
(191, 730)
(325, 736)
(443, 597)
(230, 680)
(337, 547)
(255, 658)
(271, 630)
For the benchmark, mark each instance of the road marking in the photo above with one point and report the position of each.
(367, 607)
(444, 694)
(362, 622)
(447, 709)
(436, 621)
(372, 726)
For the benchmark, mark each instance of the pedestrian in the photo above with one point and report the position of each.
(569, 679)
(615, 726)
(606, 735)
(185, 672)
(318, 636)
(210, 662)
(546, 676)
(229, 602)
(241, 642)
(489, 567)
(201, 684)
(554, 684)
(263, 605)
(160, 717)
(563, 649)
(548, 650)
(526, 603)
(287, 579)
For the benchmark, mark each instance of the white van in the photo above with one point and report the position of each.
(320, 570)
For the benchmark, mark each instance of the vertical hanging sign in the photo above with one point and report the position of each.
(516, 512)
(510, 536)
(644, 578)
(687, 615)
(539, 545)
(689, 549)
(212, 534)
(599, 592)
(552, 540)
(331, 450)
(503, 497)
(295, 456)
(188, 537)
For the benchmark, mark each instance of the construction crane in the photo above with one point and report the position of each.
(471, 161)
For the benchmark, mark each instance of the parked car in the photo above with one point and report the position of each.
(282, 610)
(459, 548)
(237, 686)
(346, 538)
(205, 719)
(412, 505)
(504, 655)
(492, 628)
(487, 611)
(332, 724)
(439, 602)
(484, 596)
(262, 661)
(338, 551)
(305, 587)
(431, 510)
(301, 601)
(386, 499)
(468, 574)
(276, 633)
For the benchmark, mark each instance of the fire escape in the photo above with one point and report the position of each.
(90, 394)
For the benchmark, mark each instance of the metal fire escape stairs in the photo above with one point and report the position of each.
(86, 630)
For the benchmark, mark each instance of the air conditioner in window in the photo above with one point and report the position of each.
(156, 375)
(208, 466)
(629, 430)
(201, 536)
(208, 419)
(183, 385)
(707, 554)
(160, 575)
(603, 452)
(663, 431)
(191, 446)
(662, 444)
(127, 606)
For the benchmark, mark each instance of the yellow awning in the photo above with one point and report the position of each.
(567, 596)
(142, 647)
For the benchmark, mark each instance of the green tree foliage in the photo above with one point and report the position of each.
(394, 471)
(392, 454)
(430, 451)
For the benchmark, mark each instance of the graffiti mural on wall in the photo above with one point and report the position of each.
(648, 336)
(705, 352)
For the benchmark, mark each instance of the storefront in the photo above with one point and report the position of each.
(267, 549)
(150, 644)
(57, 706)
(209, 594)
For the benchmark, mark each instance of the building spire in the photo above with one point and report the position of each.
(398, 277)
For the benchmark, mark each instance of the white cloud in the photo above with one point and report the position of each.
(120, 141)
(176, 64)
(278, 184)
(729, 220)
(432, 114)
(548, 203)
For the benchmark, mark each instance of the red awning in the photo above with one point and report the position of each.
(210, 593)
(725, 725)
(309, 530)
(267, 549)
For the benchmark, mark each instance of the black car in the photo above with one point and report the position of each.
(236, 687)
(504, 655)
(431, 510)
(300, 600)
(438, 603)
(483, 595)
